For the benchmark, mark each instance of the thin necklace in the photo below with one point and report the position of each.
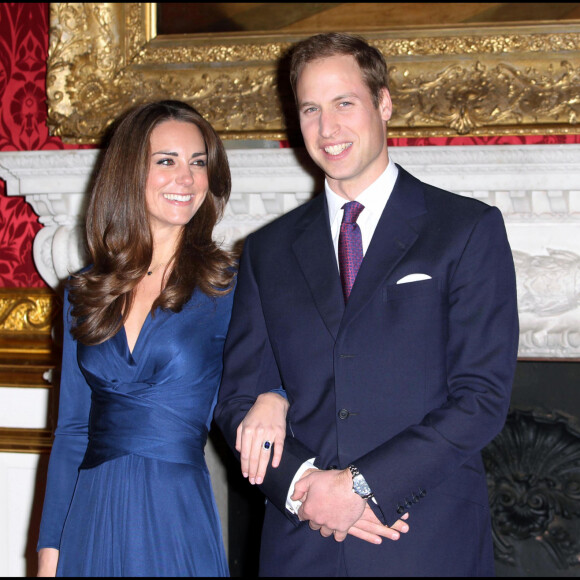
(149, 272)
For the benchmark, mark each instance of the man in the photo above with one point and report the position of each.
(395, 382)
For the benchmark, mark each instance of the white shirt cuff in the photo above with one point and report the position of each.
(293, 505)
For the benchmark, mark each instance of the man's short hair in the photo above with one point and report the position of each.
(370, 60)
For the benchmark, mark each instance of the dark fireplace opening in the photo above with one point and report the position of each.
(533, 470)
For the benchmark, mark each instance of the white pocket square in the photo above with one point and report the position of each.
(413, 278)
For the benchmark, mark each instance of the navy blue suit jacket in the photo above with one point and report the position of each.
(408, 381)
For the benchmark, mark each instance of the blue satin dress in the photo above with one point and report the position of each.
(136, 424)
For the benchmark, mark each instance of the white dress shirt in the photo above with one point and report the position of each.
(374, 199)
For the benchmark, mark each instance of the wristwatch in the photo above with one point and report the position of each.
(359, 483)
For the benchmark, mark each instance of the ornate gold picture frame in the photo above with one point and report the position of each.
(457, 80)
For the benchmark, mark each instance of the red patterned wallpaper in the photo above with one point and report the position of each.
(499, 140)
(23, 52)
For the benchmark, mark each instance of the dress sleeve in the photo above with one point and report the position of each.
(70, 442)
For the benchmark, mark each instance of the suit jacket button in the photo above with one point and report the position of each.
(400, 510)
(422, 493)
(343, 414)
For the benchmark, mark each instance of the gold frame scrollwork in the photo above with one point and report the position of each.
(487, 80)
(26, 321)
(28, 359)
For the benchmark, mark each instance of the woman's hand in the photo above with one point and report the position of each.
(47, 561)
(264, 422)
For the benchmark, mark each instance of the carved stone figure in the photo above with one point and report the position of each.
(548, 300)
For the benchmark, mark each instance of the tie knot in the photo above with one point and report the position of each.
(352, 210)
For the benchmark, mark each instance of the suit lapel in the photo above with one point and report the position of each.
(315, 254)
(396, 232)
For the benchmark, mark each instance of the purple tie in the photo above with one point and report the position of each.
(350, 252)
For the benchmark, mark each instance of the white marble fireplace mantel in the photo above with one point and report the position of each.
(536, 187)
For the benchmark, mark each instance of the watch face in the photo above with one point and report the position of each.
(360, 486)
(359, 483)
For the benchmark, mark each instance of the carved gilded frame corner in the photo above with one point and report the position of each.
(486, 80)
(28, 358)
(27, 316)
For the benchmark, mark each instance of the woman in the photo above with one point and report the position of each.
(142, 360)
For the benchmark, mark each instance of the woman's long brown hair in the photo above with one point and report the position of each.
(119, 238)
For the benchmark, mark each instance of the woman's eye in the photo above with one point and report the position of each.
(166, 161)
(200, 162)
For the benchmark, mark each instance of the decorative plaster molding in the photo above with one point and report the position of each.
(536, 187)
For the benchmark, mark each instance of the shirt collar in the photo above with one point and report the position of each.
(374, 197)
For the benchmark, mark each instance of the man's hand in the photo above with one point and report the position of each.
(370, 529)
(328, 502)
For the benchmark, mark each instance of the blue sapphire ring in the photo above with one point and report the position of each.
(266, 445)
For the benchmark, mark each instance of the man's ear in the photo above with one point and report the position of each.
(385, 104)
